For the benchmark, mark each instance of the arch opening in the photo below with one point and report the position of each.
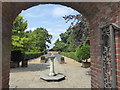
(96, 13)
(45, 67)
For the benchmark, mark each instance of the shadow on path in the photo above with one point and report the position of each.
(31, 67)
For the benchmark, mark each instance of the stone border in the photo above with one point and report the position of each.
(60, 0)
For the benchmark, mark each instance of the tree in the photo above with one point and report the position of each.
(65, 36)
(19, 39)
(28, 41)
(66, 42)
(79, 25)
(76, 34)
(38, 39)
(83, 52)
(59, 46)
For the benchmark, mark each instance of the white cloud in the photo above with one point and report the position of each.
(59, 30)
(54, 34)
(28, 29)
(31, 15)
(53, 41)
(61, 11)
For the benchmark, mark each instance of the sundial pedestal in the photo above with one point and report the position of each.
(52, 71)
(52, 76)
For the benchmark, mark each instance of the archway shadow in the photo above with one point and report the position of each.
(31, 67)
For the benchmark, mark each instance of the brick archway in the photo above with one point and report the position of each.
(96, 13)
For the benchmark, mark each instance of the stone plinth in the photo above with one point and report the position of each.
(56, 77)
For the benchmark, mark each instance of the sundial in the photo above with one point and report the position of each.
(52, 76)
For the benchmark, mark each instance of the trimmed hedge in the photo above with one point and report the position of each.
(42, 57)
(69, 54)
(17, 56)
(82, 53)
(62, 58)
(31, 55)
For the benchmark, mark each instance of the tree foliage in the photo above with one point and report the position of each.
(38, 39)
(59, 46)
(66, 43)
(28, 41)
(75, 35)
(19, 39)
(83, 52)
(79, 25)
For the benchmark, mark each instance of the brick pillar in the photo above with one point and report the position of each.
(95, 52)
(6, 46)
(117, 45)
(6, 53)
(0, 45)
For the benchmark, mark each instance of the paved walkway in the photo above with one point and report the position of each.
(76, 76)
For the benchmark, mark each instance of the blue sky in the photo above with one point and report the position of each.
(48, 16)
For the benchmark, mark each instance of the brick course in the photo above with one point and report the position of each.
(96, 13)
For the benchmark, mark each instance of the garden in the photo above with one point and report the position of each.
(27, 45)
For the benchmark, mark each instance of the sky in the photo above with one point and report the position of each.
(50, 17)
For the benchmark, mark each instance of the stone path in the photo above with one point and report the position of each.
(76, 76)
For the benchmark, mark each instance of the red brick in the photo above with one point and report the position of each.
(118, 84)
(107, 13)
(117, 50)
(118, 73)
(118, 78)
(117, 56)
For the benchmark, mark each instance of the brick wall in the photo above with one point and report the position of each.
(108, 15)
(96, 75)
(6, 56)
(117, 45)
(0, 45)
(96, 13)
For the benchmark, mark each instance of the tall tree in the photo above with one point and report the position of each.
(66, 43)
(28, 41)
(39, 39)
(79, 25)
(64, 36)
(19, 39)
(60, 46)
(75, 35)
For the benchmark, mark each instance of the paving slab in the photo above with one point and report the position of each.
(76, 76)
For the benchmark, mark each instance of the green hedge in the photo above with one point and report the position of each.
(82, 53)
(62, 58)
(31, 55)
(42, 57)
(17, 56)
(69, 54)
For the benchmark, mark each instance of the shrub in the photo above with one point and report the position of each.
(83, 52)
(62, 58)
(42, 57)
(44, 52)
(59, 52)
(31, 55)
(16, 56)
